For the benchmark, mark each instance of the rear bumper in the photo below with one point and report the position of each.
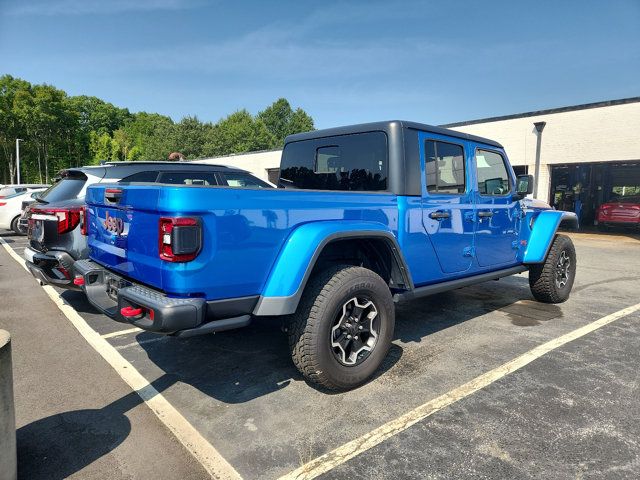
(184, 316)
(53, 267)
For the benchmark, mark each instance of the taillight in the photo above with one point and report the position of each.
(180, 238)
(68, 218)
(84, 223)
(2, 204)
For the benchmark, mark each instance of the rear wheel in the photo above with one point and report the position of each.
(15, 226)
(551, 281)
(343, 327)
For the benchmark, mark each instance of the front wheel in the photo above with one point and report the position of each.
(343, 327)
(551, 281)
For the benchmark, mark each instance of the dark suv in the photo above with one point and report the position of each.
(57, 221)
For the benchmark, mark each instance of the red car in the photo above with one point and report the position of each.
(622, 212)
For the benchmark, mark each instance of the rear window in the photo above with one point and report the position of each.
(357, 162)
(188, 178)
(7, 191)
(67, 188)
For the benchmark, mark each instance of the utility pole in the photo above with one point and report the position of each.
(539, 127)
(18, 140)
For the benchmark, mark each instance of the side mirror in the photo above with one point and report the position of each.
(524, 185)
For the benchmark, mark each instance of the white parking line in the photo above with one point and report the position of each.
(141, 342)
(121, 332)
(349, 450)
(194, 442)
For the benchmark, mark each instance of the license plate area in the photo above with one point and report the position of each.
(36, 230)
(113, 285)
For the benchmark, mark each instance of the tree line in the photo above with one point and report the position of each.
(60, 131)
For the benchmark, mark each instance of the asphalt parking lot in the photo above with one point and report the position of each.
(572, 413)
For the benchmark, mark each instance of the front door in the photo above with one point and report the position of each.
(447, 202)
(498, 210)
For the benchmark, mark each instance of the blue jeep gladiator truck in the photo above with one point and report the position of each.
(364, 216)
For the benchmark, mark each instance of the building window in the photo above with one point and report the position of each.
(444, 165)
(521, 169)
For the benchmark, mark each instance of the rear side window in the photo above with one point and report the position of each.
(188, 178)
(239, 179)
(147, 177)
(444, 165)
(67, 188)
(493, 176)
(356, 162)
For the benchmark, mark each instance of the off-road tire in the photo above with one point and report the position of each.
(542, 277)
(15, 227)
(309, 329)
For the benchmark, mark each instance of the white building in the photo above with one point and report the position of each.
(589, 153)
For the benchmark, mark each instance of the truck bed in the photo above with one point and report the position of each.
(243, 232)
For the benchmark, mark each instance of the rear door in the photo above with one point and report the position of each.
(447, 201)
(498, 209)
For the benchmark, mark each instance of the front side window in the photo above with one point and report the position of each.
(444, 165)
(493, 176)
(357, 162)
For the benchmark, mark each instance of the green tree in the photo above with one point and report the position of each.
(10, 126)
(61, 131)
(100, 146)
(152, 134)
(238, 133)
(121, 145)
(190, 136)
(281, 120)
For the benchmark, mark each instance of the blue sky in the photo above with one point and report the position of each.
(343, 62)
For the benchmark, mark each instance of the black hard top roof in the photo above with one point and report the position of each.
(387, 126)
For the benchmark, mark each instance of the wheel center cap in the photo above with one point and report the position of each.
(352, 328)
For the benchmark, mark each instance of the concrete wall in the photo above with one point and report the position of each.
(257, 163)
(7, 413)
(592, 135)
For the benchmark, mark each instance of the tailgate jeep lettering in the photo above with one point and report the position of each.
(113, 224)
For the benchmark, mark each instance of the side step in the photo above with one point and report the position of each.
(454, 284)
(215, 326)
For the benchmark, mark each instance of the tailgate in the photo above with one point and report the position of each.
(123, 230)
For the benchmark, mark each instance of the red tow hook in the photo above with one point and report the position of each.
(131, 312)
(79, 281)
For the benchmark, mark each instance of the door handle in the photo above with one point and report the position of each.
(485, 214)
(439, 215)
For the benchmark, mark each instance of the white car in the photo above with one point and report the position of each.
(8, 190)
(11, 208)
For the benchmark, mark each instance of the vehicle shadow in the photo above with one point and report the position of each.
(240, 365)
